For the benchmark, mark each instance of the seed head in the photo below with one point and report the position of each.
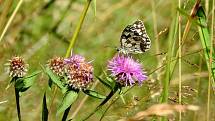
(17, 67)
(79, 72)
(57, 65)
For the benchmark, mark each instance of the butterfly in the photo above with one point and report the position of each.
(134, 39)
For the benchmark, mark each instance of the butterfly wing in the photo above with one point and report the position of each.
(134, 38)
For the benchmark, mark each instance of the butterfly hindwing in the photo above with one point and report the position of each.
(134, 38)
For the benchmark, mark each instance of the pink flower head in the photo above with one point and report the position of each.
(126, 70)
(79, 72)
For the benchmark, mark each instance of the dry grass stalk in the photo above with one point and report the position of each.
(161, 110)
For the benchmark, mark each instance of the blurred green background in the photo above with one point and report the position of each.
(42, 29)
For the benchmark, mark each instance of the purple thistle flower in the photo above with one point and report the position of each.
(79, 73)
(126, 70)
(75, 59)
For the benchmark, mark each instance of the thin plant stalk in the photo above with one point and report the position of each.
(54, 28)
(179, 55)
(164, 97)
(72, 42)
(206, 7)
(5, 10)
(157, 48)
(78, 28)
(210, 64)
(186, 30)
(166, 81)
(17, 103)
(11, 19)
(71, 45)
(206, 43)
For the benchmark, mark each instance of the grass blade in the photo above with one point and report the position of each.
(11, 19)
(68, 99)
(45, 111)
(78, 28)
(206, 43)
(94, 94)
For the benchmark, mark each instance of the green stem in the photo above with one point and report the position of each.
(17, 103)
(103, 102)
(65, 115)
(78, 28)
(164, 98)
(166, 81)
(72, 42)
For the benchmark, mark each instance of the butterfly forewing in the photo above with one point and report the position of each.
(134, 38)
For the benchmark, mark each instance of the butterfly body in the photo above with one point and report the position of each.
(134, 39)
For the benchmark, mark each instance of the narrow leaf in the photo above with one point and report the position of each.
(206, 42)
(50, 83)
(35, 73)
(45, 111)
(23, 84)
(95, 94)
(56, 79)
(68, 99)
(106, 83)
(65, 114)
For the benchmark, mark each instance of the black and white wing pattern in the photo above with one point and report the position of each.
(134, 38)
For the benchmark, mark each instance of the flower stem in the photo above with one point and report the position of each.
(72, 42)
(17, 103)
(78, 28)
(66, 113)
(179, 57)
(103, 102)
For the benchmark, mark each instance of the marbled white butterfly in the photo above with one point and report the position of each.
(134, 39)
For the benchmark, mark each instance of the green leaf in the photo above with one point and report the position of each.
(50, 83)
(107, 83)
(93, 93)
(23, 84)
(45, 111)
(65, 114)
(32, 74)
(56, 79)
(20, 85)
(111, 81)
(68, 99)
(206, 42)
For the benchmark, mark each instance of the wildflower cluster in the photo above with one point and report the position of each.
(78, 72)
(17, 67)
(57, 65)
